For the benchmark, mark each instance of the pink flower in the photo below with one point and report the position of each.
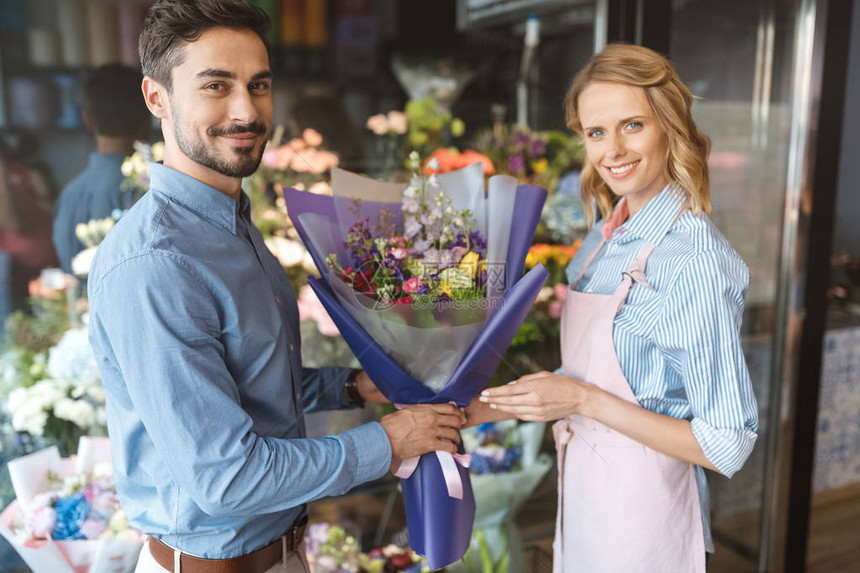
(310, 308)
(378, 124)
(412, 285)
(398, 122)
(271, 158)
(41, 522)
(312, 137)
(555, 308)
(299, 162)
(398, 253)
(561, 291)
(404, 300)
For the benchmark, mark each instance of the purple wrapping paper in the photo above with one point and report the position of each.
(440, 527)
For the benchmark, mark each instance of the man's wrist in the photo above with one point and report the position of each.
(350, 389)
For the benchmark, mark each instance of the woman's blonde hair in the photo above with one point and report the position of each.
(671, 101)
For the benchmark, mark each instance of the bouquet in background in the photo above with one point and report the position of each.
(135, 168)
(63, 398)
(389, 130)
(506, 468)
(91, 234)
(430, 125)
(392, 559)
(299, 163)
(66, 517)
(330, 549)
(447, 159)
(441, 343)
(538, 157)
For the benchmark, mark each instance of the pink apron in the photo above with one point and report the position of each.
(622, 507)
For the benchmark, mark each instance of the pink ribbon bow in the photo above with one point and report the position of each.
(448, 462)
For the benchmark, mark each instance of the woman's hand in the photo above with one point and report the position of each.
(541, 397)
(478, 412)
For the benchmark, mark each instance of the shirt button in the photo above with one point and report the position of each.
(298, 396)
(278, 300)
(292, 347)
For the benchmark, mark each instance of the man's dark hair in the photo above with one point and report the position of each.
(170, 24)
(114, 101)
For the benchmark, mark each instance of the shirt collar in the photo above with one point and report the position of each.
(201, 198)
(654, 220)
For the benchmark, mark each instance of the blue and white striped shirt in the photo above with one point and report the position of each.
(679, 344)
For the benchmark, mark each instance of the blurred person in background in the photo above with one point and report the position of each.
(25, 221)
(116, 113)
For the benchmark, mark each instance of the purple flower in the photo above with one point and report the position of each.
(419, 247)
(411, 227)
(538, 147)
(93, 528)
(515, 163)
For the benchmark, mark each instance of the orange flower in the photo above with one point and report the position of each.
(450, 159)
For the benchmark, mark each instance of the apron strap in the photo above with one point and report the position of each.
(617, 219)
(636, 272)
(587, 264)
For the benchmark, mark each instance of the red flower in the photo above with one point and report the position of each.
(404, 300)
(363, 283)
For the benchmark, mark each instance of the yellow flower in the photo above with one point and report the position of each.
(445, 288)
(540, 166)
(457, 127)
(458, 278)
(469, 262)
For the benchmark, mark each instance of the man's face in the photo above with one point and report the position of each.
(221, 101)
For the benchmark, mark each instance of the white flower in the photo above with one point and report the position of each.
(97, 393)
(308, 264)
(289, 253)
(72, 359)
(433, 164)
(82, 232)
(29, 417)
(83, 261)
(544, 294)
(79, 412)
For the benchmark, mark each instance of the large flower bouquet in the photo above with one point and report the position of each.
(67, 516)
(451, 253)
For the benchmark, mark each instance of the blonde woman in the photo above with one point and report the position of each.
(653, 385)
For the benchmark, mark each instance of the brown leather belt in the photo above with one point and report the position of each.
(258, 561)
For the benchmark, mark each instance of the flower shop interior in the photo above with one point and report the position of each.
(777, 84)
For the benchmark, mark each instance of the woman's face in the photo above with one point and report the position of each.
(624, 141)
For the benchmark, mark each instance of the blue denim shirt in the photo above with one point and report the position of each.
(195, 329)
(94, 193)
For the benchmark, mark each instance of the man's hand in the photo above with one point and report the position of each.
(417, 430)
(368, 390)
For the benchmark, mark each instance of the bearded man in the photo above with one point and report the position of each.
(195, 327)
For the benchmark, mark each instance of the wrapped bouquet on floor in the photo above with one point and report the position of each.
(66, 517)
(424, 281)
